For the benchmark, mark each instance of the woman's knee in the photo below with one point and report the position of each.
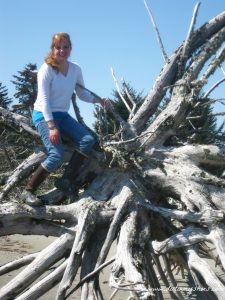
(87, 143)
(90, 140)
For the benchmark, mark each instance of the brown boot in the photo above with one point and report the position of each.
(37, 178)
(66, 182)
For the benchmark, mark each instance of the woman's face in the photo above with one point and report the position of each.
(62, 50)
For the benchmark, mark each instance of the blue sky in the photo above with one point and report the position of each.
(104, 34)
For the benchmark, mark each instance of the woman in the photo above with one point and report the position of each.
(57, 80)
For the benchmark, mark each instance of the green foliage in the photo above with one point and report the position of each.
(26, 87)
(15, 147)
(202, 127)
(5, 101)
(105, 123)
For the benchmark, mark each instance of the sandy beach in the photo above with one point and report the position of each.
(13, 247)
(16, 246)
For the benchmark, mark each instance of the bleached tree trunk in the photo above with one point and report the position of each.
(160, 205)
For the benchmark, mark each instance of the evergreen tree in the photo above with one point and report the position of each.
(202, 127)
(26, 87)
(198, 128)
(5, 101)
(106, 123)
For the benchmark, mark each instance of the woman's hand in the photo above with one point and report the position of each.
(104, 103)
(54, 135)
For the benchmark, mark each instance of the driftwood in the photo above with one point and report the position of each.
(159, 203)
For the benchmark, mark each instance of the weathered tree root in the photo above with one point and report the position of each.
(158, 200)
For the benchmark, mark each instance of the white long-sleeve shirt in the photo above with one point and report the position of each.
(55, 89)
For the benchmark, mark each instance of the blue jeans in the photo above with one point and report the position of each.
(82, 139)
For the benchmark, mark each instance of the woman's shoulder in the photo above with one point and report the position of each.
(45, 67)
(46, 70)
(75, 65)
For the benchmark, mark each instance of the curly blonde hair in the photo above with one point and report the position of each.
(56, 39)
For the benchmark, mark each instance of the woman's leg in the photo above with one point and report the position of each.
(37, 178)
(52, 162)
(83, 142)
(55, 152)
(82, 138)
